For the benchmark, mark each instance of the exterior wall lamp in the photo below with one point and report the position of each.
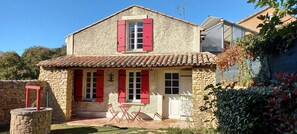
(111, 77)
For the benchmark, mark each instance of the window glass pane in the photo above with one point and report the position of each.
(88, 90)
(139, 45)
(137, 79)
(175, 83)
(131, 24)
(130, 97)
(131, 74)
(175, 75)
(139, 35)
(94, 84)
(137, 85)
(138, 91)
(167, 76)
(130, 79)
(174, 90)
(167, 90)
(137, 96)
(140, 24)
(131, 91)
(131, 85)
(139, 40)
(87, 95)
(88, 84)
(94, 90)
(167, 83)
(88, 74)
(88, 79)
(138, 74)
(139, 29)
(94, 96)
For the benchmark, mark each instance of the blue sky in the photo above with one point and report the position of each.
(26, 23)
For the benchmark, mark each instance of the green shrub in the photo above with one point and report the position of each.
(240, 110)
(176, 130)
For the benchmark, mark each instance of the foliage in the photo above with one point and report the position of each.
(14, 67)
(281, 107)
(11, 66)
(239, 111)
(236, 56)
(32, 56)
(282, 6)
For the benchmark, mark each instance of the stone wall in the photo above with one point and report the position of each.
(12, 95)
(30, 121)
(201, 77)
(60, 86)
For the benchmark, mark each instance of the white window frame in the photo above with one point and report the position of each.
(135, 35)
(134, 86)
(93, 75)
(179, 82)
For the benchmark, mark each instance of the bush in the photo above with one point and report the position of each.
(240, 110)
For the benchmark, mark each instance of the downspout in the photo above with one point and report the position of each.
(46, 97)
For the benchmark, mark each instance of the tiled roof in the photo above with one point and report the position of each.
(170, 60)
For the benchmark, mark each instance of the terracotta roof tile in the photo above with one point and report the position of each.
(169, 60)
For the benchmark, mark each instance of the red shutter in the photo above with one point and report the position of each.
(122, 86)
(145, 87)
(78, 85)
(121, 46)
(148, 34)
(99, 85)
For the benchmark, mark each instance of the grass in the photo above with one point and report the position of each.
(74, 129)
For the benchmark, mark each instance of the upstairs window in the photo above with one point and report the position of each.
(135, 36)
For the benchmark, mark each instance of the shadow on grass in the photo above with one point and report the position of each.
(4, 129)
(78, 130)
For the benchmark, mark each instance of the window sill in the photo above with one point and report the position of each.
(133, 52)
(134, 103)
(93, 100)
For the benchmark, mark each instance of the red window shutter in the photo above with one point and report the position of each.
(99, 85)
(121, 46)
(145, 87)
(122, 86)
(148, 34)
(78, 85)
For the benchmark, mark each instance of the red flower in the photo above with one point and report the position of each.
(285, 96)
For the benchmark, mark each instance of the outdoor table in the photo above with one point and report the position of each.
(124, 108)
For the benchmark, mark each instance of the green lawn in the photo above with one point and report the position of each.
(73, 129)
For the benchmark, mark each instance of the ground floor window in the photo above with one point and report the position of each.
(134, 86)
(171, 83)
(90, 85)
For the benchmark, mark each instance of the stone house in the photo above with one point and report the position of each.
(136, 56)
(252, 21)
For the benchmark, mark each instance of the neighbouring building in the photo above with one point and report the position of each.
(252, 21)
(136, 56)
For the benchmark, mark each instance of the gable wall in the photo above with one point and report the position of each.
(253, 22)
(170, 36)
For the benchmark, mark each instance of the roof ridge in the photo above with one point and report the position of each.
(254, 14)
(131, 6)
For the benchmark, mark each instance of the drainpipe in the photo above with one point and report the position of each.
(46, 97)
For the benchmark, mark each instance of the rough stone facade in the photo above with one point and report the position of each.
(101, 38)
(13, 94)
(60, 87)
(201, 77)
(30, 121)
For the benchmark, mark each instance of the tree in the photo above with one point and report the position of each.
(35, 54)
(32, 56)
(11, 66)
